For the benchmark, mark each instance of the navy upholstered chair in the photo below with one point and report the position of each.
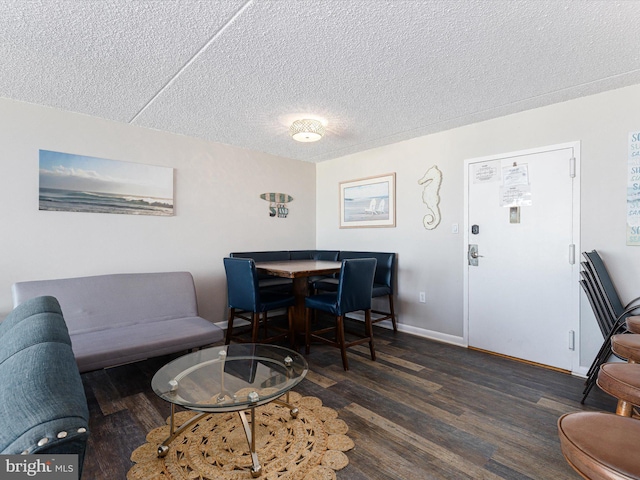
(355, 284)
(245, 296)
(383, 283)
(269, 283)
(329, 255)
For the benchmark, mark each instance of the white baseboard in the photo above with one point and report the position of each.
(421, 332)
(580, 372)
(433, 335)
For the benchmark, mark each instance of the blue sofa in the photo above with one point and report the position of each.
(383, 284)
(43, 408)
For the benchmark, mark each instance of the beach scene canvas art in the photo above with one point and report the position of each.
(77, 183)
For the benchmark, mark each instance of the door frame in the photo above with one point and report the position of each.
(574, 323)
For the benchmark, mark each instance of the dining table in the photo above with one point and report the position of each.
(299, 271)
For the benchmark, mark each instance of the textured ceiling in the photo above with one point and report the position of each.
(238, 72)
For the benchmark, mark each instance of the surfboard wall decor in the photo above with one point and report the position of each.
(277, 204)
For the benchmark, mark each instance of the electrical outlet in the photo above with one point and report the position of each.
(423, 297)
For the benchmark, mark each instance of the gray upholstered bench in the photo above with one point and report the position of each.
(123, 318)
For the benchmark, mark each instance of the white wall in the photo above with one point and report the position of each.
(218, 209)
(217, 205)
(433, 261)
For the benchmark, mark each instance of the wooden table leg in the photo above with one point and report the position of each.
(300, 290)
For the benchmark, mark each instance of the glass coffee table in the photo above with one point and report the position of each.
(232, 378)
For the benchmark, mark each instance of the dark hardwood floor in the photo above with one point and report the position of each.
(423, 410)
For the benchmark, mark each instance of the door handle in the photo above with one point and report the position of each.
(473, 255)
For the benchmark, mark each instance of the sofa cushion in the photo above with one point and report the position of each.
(103, 302)
(104, 348)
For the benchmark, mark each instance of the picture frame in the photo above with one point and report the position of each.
(79, 183)
(368, 202)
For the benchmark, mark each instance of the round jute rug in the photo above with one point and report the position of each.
(310, 447)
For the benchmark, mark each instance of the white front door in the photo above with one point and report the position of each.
(522, 231)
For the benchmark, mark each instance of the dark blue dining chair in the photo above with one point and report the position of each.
(244, 297)
(355, 284)
(383, 282)
(266, 282)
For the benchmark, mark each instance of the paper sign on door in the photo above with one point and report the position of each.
(515, 190)
(486, 172)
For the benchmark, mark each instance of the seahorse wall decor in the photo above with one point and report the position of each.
(277, 204)
(431, 196)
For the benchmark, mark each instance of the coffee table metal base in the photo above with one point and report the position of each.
(249, 430)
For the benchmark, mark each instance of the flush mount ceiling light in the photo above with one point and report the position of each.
(306, 130)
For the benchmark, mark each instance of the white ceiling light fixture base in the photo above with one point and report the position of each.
(306, 130)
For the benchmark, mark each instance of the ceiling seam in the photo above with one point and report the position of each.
(192, 59)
